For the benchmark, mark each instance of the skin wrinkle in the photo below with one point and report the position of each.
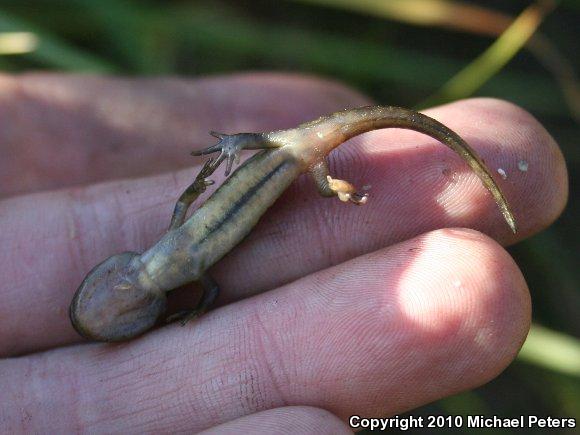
(266, 346)
(312, 311)
(551, 162)
(376, 215)
(417, 303)
(240, 355)
(299, 419)
(194, 350)
(456, 204)
(59, 131)
(442, 355)
(353, 164)
(495, 273)
(424, 169)
(318, 228)
(389, 208)
(76, 245)
(89, 208)
(353, 364)
(59, 112)
(139, 363)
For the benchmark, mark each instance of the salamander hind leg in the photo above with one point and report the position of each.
(230, 146)
(210, 294)
(346, 191)
(328, 186)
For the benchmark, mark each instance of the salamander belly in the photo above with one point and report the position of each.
(182, 255)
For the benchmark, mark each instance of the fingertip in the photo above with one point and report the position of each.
(465, 293)
(535, 177)
(539, 157)
(284, 420)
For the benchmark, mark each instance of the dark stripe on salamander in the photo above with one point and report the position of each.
(242, 201)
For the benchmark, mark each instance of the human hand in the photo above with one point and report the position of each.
(327, 310)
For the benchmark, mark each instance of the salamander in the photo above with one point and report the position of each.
(125, 295)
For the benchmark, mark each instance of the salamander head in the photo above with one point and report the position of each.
(109, 305)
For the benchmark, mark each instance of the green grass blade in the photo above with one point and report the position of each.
(54, 52)
(232, 39)
(552, 350)
(133, 33)
(17, 42)
(492, 60)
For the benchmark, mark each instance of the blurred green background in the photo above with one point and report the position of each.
(409, 53)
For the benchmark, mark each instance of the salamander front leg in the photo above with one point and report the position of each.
(210, 294)
(191, 193)
(328, 186)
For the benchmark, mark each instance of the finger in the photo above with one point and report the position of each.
(286, 420)
(410, 194)
(415, 185)
(378, 335)
(60, 130)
